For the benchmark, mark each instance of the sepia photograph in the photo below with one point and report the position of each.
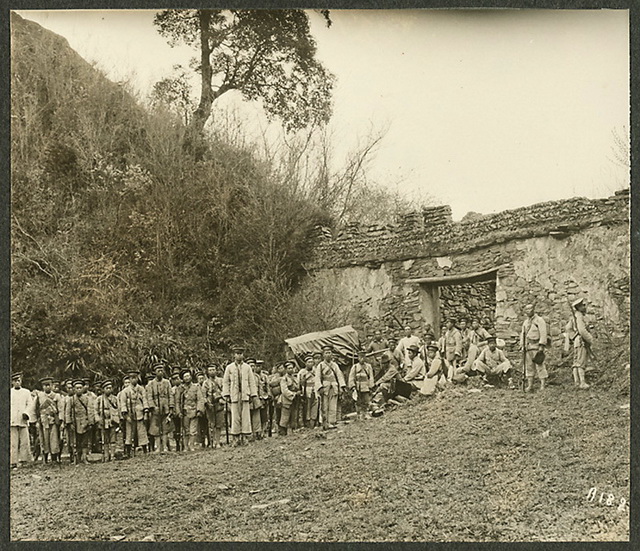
(320, 275)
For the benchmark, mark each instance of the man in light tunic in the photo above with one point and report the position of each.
(329, 383)
(492, 360)
(239, 388)
(22, 411)
(533, 342)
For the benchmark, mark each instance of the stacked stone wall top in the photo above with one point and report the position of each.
(433, 233)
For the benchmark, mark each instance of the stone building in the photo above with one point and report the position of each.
(426, 267)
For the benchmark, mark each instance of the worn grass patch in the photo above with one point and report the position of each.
(492, 466)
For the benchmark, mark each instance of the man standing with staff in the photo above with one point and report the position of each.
(329, 384)
(533, 342)
(239, 388)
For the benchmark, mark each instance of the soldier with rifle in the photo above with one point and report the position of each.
(329, 384)
(176, 421)
(49, 417)
(256, 402)
(290, 390)
(212, 392)
(275, 400)
(108, 417)
(190, 408)
(582, 341)
(135, 410)
(361, 381)
(161, 403)
(120, 398)
(263, 394)
(80, 417)
(309, 399)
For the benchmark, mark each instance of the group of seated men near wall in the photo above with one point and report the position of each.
(245, 401)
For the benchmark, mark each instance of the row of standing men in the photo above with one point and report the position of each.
(246, 402)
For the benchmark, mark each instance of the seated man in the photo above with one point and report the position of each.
(477, 342)
(414, 367)
(384, 387)
(492, 361)
(438, 370)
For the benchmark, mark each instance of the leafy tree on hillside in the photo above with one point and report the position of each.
(266, 55)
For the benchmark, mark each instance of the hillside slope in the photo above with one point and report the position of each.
(126, 247)
(496, 465)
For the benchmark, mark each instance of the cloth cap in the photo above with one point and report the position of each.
(46, 380)
(16, 375)
(237, 348)
(86, 380)
(107, 383)
(432, 346)
(413, 347)
(308, 357)
(150, 376)
(133, 373)
(491, 339)
(184, 370)
(158, 366)
(317, 355)
(250, 360)
(289, 362)
(78, 382)
(577, 302)
(260, 362)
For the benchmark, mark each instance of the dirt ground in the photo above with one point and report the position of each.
(494, 465)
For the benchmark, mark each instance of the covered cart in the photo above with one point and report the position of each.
(344, 340)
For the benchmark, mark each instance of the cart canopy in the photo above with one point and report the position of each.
(344, 340)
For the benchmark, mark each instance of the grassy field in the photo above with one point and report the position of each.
(462, 466)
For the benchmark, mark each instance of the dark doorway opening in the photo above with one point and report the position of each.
(465, 296)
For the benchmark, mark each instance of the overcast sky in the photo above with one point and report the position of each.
(485, 110)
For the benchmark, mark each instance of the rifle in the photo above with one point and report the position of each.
(134, 425)
(226, 420)
(575, 323)
(304, 400)
(397, 321)
(524, 359)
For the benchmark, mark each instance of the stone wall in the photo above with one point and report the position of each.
(548, 254)
(468, 300)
